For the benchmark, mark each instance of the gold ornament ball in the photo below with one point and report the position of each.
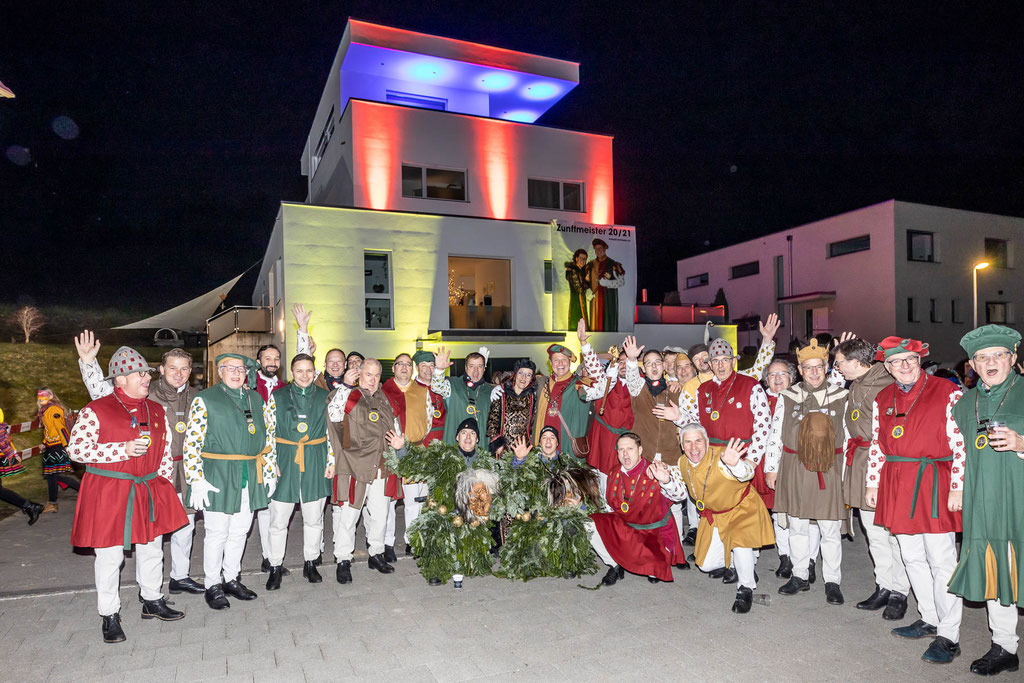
(519, 516)
(457, 521)
(526, 516)
(442, 509)
(475, 523)
(432, 503)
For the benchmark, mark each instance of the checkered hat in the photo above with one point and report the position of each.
(125, 361)
(720, 348)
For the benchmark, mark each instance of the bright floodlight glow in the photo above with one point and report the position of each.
(428, 70)
(982, 265)
(541, 90)
(520, 115)
(497, 81)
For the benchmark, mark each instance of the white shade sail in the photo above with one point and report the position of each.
(190, 316)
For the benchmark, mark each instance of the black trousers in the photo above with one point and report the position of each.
(51, 484)
(9, 496)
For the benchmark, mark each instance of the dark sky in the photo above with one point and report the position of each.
(730, 121)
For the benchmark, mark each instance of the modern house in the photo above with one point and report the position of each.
(892, 268)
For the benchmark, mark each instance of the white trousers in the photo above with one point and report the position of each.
(1002, 619)
(263, 521)
(782, 537)
(742, 559)
(930, 560)
(224, 542)
(831, 548)
(312, 529)
(374, 511)
(389, 528)
(677, 515)
(149, 574)
(181, 547)
(884, 548)
(597, 544)
(692, 518)
(412, 507)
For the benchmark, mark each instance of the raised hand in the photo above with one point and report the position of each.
(671, 412)
(633, 351)
(394, 439)
(521, 447)
(351, 377)
(442, 358)
(659, 470)
(734, 450)
(581, 331)
(312, 347)
(88, 346)
(301, 317)
(769, 327)
(845, 337)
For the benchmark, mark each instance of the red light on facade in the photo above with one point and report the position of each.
(495, 153)
(377, 138)
(601, 183)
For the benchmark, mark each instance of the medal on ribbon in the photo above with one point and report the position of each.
(715, 415)
(373, 416)
(624, 506)
(699, 504)
(437, 414)
(981, 441)
(855, 414)
(144, 437)
(301, 427)
(471, 410)
(252, 428)
(897, 431)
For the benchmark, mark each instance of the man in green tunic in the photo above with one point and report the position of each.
(230, 432)
(305, 467)
(466, 396)
(991, 418)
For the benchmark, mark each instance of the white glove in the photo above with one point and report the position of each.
(271, 485)
(496, 393)
(199, 495)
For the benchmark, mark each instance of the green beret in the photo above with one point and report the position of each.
(988, 336)
(422, 356)
(564, 350)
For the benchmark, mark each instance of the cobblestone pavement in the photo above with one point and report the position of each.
(398, 628)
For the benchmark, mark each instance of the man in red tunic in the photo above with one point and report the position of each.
(613, 416)
(637, 535)
(127, 496)
(915, 483)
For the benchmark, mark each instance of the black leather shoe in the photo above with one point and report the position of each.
(158, 609)
(833, 595)
(897, 607)
(408, 550)
(309, 572)
(265, 568)
(614, 574)
(785, 569)
(319, 560)
(112, 631)
(919, 629)
(744, 598)
(877, 600)
(941, 651)
(215, 597)
(653, 579)
(274, 580)
(811, 575)
(389, 554)
(434, 581)
(691, 536)
(186, 585)
(236, 590)
(730, 576)
(380, 564)
(683, 565)
(794, 585)
(995, 661)
(344, 572)
(717, 573)
(32, 511)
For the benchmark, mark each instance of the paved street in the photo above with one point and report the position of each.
(398, 628)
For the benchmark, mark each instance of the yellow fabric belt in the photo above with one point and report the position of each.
(261, 461)
(300, 448)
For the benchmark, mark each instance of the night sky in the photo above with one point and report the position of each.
(730, 121)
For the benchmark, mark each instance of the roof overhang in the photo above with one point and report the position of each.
(807, 297)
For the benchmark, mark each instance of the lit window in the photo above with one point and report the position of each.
(920, 246)
(479, 293)
(850, 246)
(745, 270)
(433, 183)
(996, 252)
(696, 280)
(554, 194)
(377, 290)
(409, 99)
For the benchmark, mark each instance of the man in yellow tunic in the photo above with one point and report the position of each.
(735, 518)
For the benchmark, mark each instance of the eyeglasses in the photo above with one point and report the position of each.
(994, 357)
(904, 362)
(716, 361)
(233, 369)
(812, 368)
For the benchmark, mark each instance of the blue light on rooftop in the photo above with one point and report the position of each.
(428, 70)
(540, 90)
(497, 81)
(521, 115)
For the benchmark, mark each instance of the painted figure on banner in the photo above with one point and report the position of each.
(605, 276)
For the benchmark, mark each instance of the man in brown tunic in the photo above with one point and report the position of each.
(359, 419)
(805, 467)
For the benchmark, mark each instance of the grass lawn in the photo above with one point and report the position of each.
(23, 369)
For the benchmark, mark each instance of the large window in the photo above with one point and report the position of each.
(433, 183)
(554, 194)
(745, 270)
(956, 313)
(997, 253)
(920, 246)
(696, 280)
(933, 311)
(377, 290)
(855, 244)
(479, 293)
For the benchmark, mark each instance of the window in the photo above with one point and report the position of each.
(920, 246)
(997, 252)
(996, 312)
(862, 243)
(956, 312)
(696, 280)
(321, 145)
(440, 183)
(377, 290)
(912, 314)
(554, 194)
(745, 270)
(933, 311)
(479, 293)
(548, 277)
(780, 287)
(409, 99)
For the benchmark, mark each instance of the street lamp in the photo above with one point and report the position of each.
(974, 276)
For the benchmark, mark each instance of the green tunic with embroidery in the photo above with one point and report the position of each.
(227, 432)
(296, 406)
(464, 402)
(991, 564)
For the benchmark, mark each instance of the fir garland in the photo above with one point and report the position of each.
(523, 488)
(552, 542)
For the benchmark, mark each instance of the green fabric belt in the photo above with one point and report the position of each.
(653, 525)
(724, 442)
(922, 464)
(131, 496)
(613, 430)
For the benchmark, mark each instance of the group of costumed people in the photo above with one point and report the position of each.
(600, 463)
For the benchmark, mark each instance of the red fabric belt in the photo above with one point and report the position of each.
(852, 445)
(821, 475)
(177, 458)
(709, 514)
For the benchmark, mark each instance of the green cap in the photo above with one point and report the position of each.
(250, 366)
(988, 336)
(422, 356)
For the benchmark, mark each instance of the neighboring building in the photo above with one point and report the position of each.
(431, 197)
(892, 268)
